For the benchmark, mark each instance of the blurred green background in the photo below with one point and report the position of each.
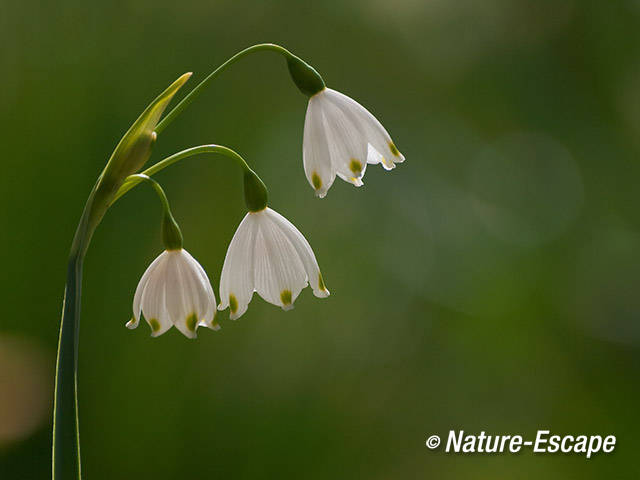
(488, 283)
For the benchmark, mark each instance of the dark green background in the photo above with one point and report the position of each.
(489, 283)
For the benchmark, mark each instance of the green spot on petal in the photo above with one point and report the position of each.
(233, 303)
(192, 321)
(394, 149)
(317, 182)
(321, 284)
(355, 166)
(155, 325)
(285, 296)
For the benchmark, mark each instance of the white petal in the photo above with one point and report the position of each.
(236, 281)
(315, 150)
(304, 251)
(347, 143)
(384, 150)
(279, 274)
(137, 298)
(153, 300)
(204, 299)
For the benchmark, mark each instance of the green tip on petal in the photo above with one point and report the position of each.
(355, 166)
(192, 322)
(233, 303)
(394, 150)
(285, 297)
(321, 284)
(155, 325)
(316, 181)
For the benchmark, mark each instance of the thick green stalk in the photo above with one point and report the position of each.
(131, 153)
(66, 434)
(66, 438)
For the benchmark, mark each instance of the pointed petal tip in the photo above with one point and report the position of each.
(322, 293)
(388, 165)
(131, 324)
(287, 307)
(209, 324)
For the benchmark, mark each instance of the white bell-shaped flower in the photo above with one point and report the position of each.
(270, 256)
(174, 290)
(340, 138)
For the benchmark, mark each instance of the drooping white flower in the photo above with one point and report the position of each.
(270, 256)
(340, 138)
(174, 290)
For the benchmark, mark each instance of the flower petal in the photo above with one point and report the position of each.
(315, 150)
(384, 150)
(304, 251)
(154, 300)
(236, 281)
(204, 299)
(346, 141)
(137, 298)
(279, 274)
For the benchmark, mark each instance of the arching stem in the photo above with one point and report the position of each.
(186, 101)
(132, 180)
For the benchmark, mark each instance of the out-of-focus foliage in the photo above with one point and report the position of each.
(488, 283)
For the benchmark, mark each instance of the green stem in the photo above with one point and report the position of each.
(66, 436)
(66, 433)
(171, 234)
(130, 154)
(186, 101)
(132, 181)
(255, 191)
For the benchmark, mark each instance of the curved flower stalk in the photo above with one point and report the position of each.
(268, 255)
(340, 138)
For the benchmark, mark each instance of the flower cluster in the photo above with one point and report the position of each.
(267, 254)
